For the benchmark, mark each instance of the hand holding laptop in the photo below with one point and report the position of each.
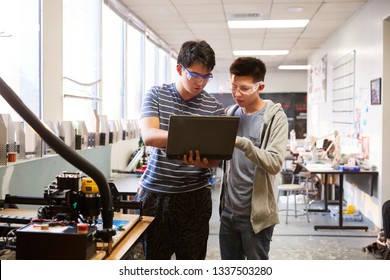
(196, 160)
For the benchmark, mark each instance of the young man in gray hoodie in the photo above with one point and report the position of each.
(249, 208)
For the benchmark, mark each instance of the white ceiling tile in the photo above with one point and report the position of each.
(176, 21)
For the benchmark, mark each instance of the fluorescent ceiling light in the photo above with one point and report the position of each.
(294, 67)
(267, 23)
(260, 52)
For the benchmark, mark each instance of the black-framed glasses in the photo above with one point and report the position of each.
(196, 76)
(244, 88)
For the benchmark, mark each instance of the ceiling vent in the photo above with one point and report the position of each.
(248, 16)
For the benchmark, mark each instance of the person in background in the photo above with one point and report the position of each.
(177, 193)
(249, 209)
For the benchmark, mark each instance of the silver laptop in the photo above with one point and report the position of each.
(212, 136)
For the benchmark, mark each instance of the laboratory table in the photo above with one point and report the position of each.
(321, 169)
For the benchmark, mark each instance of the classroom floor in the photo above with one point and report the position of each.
(298, 240)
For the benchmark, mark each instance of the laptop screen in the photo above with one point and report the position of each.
(212, 136)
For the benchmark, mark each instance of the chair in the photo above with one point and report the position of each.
(295, 189)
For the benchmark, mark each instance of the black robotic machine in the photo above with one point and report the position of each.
(67, 226)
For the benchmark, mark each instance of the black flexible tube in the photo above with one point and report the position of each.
(63, 150)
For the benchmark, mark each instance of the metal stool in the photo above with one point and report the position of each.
(294, 189)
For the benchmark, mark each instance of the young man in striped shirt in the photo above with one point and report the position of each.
(177, 192)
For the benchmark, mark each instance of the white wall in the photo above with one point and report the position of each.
(52, 61)
(364, 34)
(386, 113)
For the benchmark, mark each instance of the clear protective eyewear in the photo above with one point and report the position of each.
(196, 76)
(244, 88)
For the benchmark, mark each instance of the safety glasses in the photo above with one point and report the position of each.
(196, 76)
(244, 88)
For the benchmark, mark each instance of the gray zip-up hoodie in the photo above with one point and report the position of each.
(269, 161)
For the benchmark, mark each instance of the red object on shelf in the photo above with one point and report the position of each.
(11, 157)
(141, 170)
(82, 228)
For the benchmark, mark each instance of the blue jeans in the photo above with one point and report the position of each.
(237, 240)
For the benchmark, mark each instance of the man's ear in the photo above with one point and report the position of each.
(179, 69)
(261, 87)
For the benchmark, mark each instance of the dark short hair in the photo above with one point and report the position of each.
(196, 51)
(249, 66)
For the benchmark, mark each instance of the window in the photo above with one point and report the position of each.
(150, 64)
(135, 70)
(172, 68)
(81, 60)
(113, 65)
(163, 65)
(20, 53)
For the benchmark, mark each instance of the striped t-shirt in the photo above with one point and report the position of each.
(163, 174)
